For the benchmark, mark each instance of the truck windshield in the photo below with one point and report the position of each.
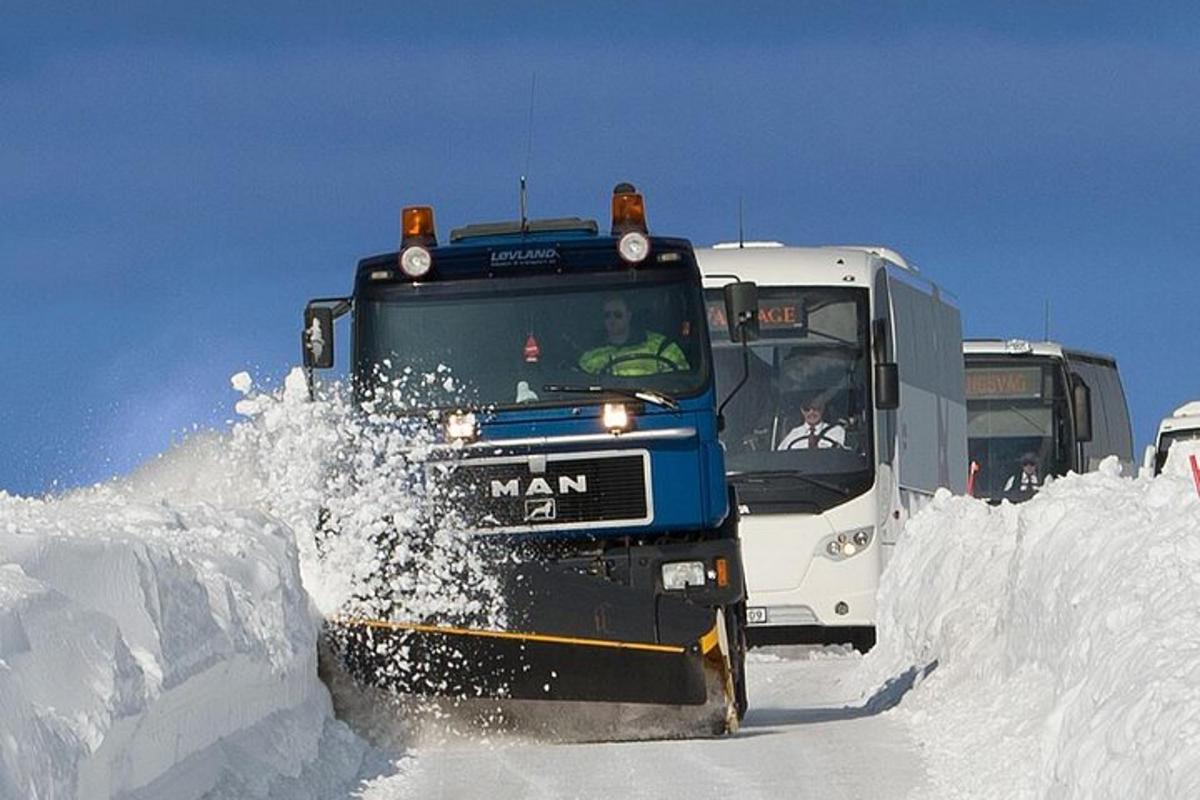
(502, 342)
(803, 409)
(1015, 412)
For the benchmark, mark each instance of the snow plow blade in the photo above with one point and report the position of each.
(462, 663)
(570, 638)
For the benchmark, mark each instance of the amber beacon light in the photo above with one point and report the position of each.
(416, 224)
(629, 222)
(416, 235)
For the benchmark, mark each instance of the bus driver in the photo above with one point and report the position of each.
(815, 432)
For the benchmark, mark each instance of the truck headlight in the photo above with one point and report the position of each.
(681, 574)
(461, 426)
(616, 417)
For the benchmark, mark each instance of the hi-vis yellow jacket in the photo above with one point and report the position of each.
(656, 352)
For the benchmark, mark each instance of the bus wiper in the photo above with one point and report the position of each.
(765, 475)
(657, 398)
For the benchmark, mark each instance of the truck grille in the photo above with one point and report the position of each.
(559, 491)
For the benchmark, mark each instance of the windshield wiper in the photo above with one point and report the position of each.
(766, 475)
(1032, 422)
(657, 398)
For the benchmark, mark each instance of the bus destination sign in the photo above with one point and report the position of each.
(994, 383)
(772, 315)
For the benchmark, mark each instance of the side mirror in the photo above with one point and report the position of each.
(741, 311)
(887, 387)
(1149, 456)
(1081, 394)
(316, 340)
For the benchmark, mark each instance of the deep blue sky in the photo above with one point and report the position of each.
(176, 182)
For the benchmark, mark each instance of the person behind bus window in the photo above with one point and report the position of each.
(1027, 479)
(815, 432)
(631, 351)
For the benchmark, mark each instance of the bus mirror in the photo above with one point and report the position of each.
(1082, 397)
(1148, 459)
(317, 337)
(741, 310)
(887, 387)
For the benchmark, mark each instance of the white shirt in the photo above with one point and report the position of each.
(827, 436)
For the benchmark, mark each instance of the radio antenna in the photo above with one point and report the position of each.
(1046, 338)
(529, 142)
(528, 157)
(524, 209)
(741, 234)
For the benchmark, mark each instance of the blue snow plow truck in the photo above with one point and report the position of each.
(580, 445)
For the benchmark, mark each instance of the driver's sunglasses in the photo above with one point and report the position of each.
(614, 315)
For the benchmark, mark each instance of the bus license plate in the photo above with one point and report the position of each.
(756, 615)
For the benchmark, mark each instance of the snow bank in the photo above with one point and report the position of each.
(156, 639)
(158, 634)
(1065, 636)
(142, 645)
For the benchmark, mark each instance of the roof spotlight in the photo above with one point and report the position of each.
(415, 261)
(634, 247)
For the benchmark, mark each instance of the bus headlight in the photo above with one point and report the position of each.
(841, 546)
(681, 574)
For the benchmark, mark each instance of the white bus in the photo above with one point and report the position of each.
(1064, 409)
(862, 343)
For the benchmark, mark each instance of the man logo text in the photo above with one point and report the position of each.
(540, 486)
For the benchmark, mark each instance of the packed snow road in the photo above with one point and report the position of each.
(806, 735)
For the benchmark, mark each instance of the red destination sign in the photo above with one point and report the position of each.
(770, 315)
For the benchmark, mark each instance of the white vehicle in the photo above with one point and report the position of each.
(856, 331)
(1182, 426)
(1065, 408)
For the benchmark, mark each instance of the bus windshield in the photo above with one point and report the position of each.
(803, 410)
(528, 340)
(1015, 412)
(1168, 438)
